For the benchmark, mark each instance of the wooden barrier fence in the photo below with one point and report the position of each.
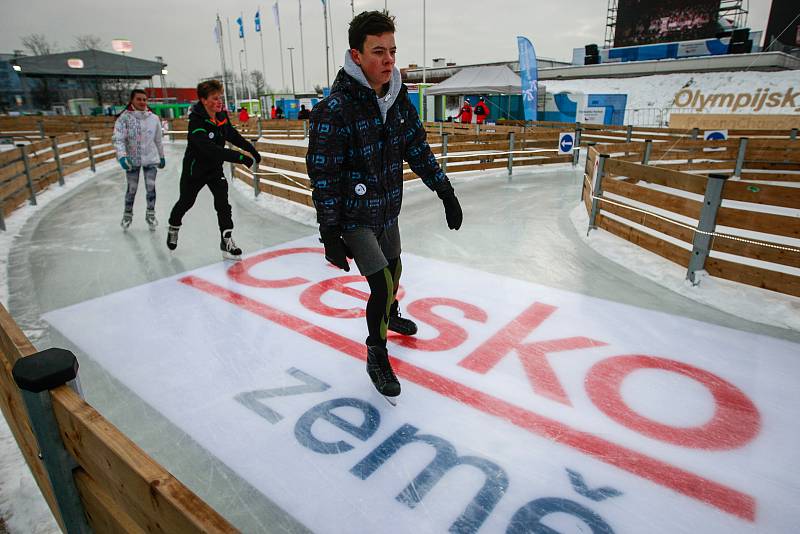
(121, 488)
(28, 169)
(283, 173)
(663, 210)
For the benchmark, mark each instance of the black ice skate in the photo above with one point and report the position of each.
(172, 237)
(380, 372)
(229, 249)
(401, 325)
(127, 219)
(150, 219)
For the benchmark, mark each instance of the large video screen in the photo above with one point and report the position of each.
(645, 21)
(783, 26)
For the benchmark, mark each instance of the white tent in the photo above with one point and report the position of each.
(479, 80)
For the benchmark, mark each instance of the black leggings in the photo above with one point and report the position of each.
(382, 301)
(190, 187)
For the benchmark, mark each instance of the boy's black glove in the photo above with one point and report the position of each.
(452, 209)
(256, 156)
(336, 250)
(247, 161)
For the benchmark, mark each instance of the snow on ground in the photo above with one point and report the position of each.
(737, 299)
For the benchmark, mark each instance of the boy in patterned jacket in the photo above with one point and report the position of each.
(359, 137)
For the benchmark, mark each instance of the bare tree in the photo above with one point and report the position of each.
(38, 44)
(257, 81)
(318, 89)
(88, 42)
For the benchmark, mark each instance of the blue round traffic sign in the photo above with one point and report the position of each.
(566, 143)
(715, 136)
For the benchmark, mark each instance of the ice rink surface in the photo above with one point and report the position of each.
(547, 388)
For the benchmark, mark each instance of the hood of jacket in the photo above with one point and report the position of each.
(385, 102)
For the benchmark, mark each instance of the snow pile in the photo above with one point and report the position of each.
(659, 91)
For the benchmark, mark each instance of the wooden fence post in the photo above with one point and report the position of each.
(444, 152)
(57, 159)
(32, 190)
(597, 190)
(36, 375)
(737, 172)
(89, 149)
(648, 148)
(510, 154)
(701, 244)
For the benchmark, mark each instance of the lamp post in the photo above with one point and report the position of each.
(164, 73)
(241, 75)
(291, 65)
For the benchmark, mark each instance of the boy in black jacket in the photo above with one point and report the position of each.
(358, 139)
(209, 129)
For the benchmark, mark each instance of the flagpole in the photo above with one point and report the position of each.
(261, 36)
(277, 12)
(220, 42)
(230, 46)
(327, 48)
(302, 52)
(246, 63)
(333, 46)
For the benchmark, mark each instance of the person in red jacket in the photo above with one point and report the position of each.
(465, 113)
(481, 111)
(244, 116)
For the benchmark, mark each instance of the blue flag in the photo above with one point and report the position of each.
(241, 28)
(528, 71)
(258, 21)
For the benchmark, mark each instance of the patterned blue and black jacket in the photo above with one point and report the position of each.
(355, 159)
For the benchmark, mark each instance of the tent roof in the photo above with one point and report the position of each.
(96, 64)
(475, 80)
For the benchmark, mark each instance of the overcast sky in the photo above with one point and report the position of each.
(464, 31)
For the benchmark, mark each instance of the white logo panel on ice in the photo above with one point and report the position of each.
(522, 405)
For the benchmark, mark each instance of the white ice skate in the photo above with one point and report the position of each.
(150, 219)
(127, 219)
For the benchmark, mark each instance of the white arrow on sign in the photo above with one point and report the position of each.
(565, 143)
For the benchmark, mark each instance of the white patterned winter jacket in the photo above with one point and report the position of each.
(137, 135)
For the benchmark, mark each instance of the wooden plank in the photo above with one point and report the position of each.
(772, 195)
(665, 249)
(675, 204)
(285, 164)
(12, 170)
(284, 150)
(770, 176)
(148, 493)
(754, 276)
(14, 345)
(103, 514)
(9, 156)
(757, 252)
(768, 223)
(716, 121)
(656, 223)
(657, 175)
(11, 187)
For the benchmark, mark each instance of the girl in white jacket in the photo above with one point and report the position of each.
(137, 140)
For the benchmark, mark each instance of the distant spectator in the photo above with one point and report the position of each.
(481, 111)
(278, 112)
(273, 113)
(465, 113)
(244, 116)
(303, 114)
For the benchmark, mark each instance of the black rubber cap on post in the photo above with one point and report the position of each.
(719, 176)
(45, 370)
